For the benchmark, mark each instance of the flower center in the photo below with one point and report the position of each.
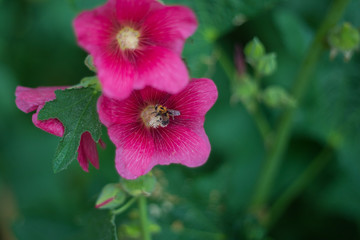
(128, 38)
(157, 116)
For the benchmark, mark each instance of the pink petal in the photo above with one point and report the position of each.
(29, 99)
(135, 148)
(87, 151)
(135, 11)
(179, 144)
(153, 96)
(52, 126)
(116, 75)
(122, 112)
(162, 69)
(94, 29)
(170, 26)
(195, 100)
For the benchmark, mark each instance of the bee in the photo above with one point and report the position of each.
(162, 115)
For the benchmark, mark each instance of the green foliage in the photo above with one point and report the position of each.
(254, 50)
(266, 65)
(276, 97)
(97, 224)
(209, 202)
(76, 109)
(142, 185)
(345, 37)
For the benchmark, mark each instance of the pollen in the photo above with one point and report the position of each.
(128, 38)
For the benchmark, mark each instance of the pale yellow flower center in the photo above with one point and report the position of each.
(128, 38)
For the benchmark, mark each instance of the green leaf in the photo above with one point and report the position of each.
(97, 224)
(76, 109)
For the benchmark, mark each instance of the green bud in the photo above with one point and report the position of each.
(142, 185)
(245, 90)
(254, 50)
(345, 39)
(111, 196)
(276, 97)
(89, 62)
(266, 64)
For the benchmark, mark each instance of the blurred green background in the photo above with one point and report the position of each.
(38, 48)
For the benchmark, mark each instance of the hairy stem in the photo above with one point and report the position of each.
(274, 157)
(144, 218)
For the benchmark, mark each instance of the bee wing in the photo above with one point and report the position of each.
(173, 112)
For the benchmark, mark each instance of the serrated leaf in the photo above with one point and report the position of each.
(76, 109)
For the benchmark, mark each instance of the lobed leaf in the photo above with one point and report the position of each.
(76, 109)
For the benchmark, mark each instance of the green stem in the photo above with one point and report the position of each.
(304, 180)
(273, 161)
(124, 207)
(144, 219)
(258, 116)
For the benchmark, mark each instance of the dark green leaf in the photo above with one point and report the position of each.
(97, 225)
(76, 109)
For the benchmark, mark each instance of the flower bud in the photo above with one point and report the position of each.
(89, 62)
(276, 97)
(254, 50)
(142, 185)
(245, 90)
(345, 39)
(266, 64)
(111, 196)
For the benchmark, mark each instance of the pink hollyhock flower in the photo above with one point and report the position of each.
(136, 43)
(153, 127)
(33, 99)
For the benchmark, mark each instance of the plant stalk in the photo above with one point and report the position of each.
(281, 137)
(145, 231)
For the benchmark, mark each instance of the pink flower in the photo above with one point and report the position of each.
(136, 43)
(33, 99)
(146, 133)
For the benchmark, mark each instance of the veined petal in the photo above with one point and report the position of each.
(116, 75)
(195, 100)
(29, 99)
(52, 126)
(134, 151)
(162, 69)
(87, 151)
(170, 26)
(179, 144)
(112, 111)
(135, 11)
(95, 28)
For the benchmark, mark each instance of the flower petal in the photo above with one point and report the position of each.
(52, 126)
(95, 28)
(134, 151)
(87, 151)
(195, 100)
(135, 11)
(29, 99)
(163, 69)
(179, 144)
(113, 111)
(116, 75)
(170, 26)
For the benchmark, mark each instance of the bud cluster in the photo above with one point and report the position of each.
(247, 87)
